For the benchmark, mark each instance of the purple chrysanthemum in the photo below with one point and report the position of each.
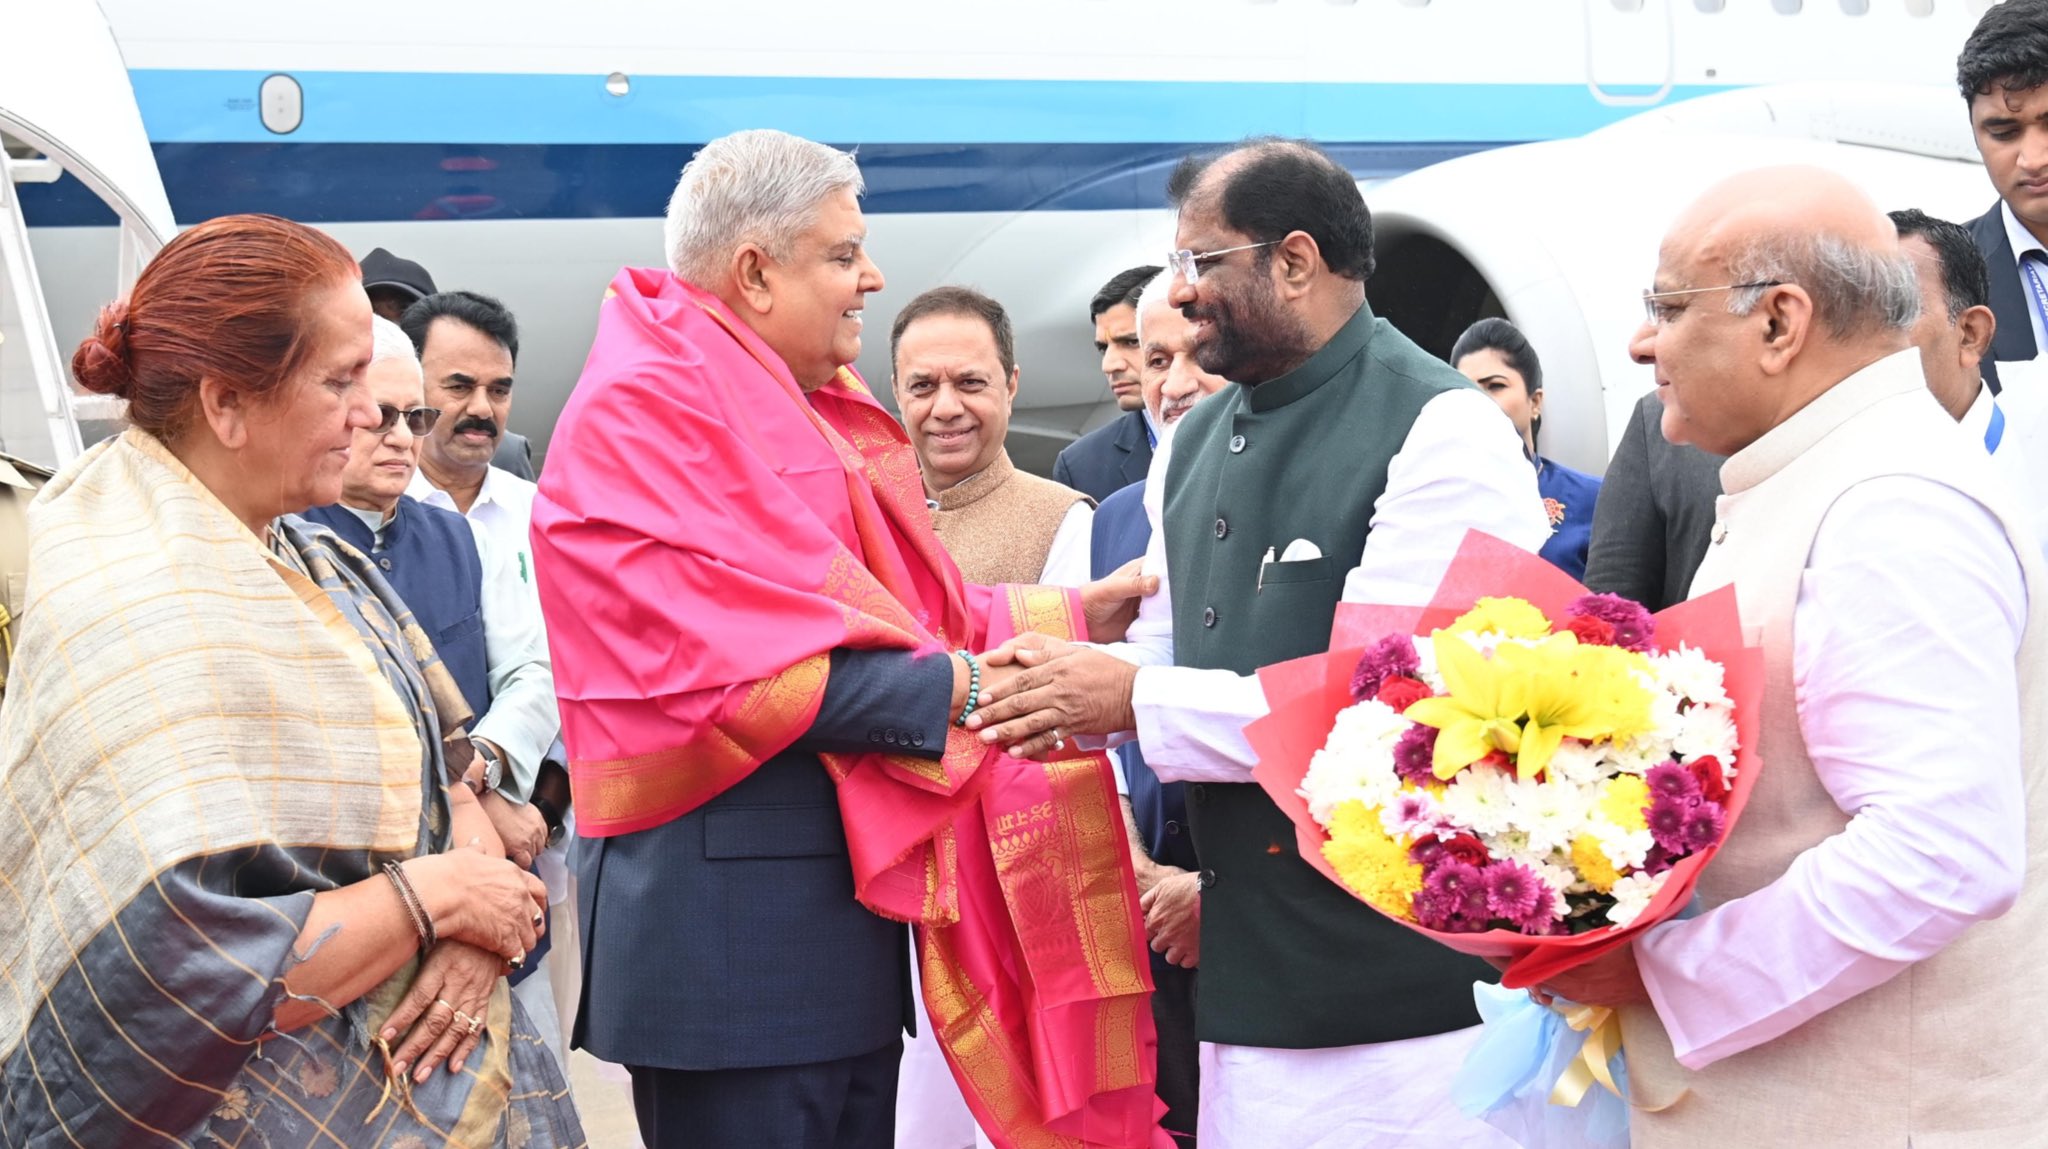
(1703, 826)
(1414, 753)
(1673, 781)
(1634, 629)
(1515, 892)
(1666, 817)
(1656, 860)
(1392, 655)
(1452, 898)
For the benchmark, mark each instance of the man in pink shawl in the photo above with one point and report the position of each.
(763, 656)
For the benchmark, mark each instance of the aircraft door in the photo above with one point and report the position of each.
(1629, 51)
(35, 414)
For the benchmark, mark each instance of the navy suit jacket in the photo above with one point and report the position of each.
(514, 454)
(1107, 459)
(429, 557)
(729, 937)
(1121, 534)
(2014, 338)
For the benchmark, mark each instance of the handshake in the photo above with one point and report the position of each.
(1037, 691)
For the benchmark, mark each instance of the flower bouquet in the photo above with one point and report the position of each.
(1520, 770)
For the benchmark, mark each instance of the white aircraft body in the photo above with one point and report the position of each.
(526, 148)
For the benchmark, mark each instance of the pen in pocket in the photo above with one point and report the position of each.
(1260, 586)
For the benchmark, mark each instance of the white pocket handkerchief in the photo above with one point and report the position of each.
(1300, 549)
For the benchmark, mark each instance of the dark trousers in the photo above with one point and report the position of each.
(1180, 1054)
(845, 1104)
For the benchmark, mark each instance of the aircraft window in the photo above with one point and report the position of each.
(1855, 7)
(1787, 7)
(1919, 7)
(1710, 6)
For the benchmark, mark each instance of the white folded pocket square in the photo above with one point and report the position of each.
(1300, 549)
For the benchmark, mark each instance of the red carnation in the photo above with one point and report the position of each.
(1591, 631)
(1467, 849)
(1399, 692)
(1707, 770)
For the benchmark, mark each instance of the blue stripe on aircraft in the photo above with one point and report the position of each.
(185, 106)
(344, 183)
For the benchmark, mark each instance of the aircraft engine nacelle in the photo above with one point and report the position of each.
(1561, 237)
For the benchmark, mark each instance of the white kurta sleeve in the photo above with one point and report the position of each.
(1905, 637)
(1068, 560)
(1460, 467)
(522, 718)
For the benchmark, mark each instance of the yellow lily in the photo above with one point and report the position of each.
(1526, 700)
(1480, 712)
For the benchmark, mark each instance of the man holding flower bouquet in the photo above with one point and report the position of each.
(1342, 461)
(1859, 975)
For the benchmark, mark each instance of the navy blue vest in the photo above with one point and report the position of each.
(429, 557)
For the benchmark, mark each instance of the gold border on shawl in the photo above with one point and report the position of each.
(1095, 836)
(966, 1025)
(1044, 609)
(772, 714)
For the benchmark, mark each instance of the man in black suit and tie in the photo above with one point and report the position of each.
(1118, 453)
(2003, 74)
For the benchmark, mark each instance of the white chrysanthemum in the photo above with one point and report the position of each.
(1689, 673)
(1632, 896)
(1625, 849)
(1638, 755)
(1357, 762)
(1477, 800)
(1706, 730)
(1578, 762)
(1665, 712)
(1551, 813)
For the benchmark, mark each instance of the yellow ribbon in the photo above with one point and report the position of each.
(1603, 1040)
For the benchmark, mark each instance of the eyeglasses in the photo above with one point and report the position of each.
(418, 420)
(1188, 264)
(1658, 314)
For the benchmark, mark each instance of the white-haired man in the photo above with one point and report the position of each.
(1859, 975)
(751, 621)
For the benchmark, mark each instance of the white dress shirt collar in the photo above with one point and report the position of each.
(2017, 235)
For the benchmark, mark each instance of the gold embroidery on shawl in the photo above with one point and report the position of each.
(987, 1063)
(684, 777)
(1043, 609)
(1095, 835)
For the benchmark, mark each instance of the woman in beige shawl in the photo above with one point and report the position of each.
(245, 903)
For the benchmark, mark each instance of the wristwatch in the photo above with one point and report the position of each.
(551, 816)
(494, 766)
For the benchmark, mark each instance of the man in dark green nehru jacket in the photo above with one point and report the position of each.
(1342, 462)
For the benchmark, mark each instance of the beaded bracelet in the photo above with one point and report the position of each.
(414, 908)
(973, 686)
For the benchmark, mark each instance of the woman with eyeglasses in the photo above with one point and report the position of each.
(233, 857)
(1494, 354)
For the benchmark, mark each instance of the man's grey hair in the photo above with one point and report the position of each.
(1856, 290)
(760, 186)
(389, 341)
(1153, 295)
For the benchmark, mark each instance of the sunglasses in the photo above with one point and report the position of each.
(418, 420)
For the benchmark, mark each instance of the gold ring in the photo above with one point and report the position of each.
(475, 1023)
(465, 1019)
(444, 1004)
(517, 961)
(539, 917)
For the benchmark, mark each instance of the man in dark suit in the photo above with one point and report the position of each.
(1117, 453)
(2003, 74)
(1655, 514)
